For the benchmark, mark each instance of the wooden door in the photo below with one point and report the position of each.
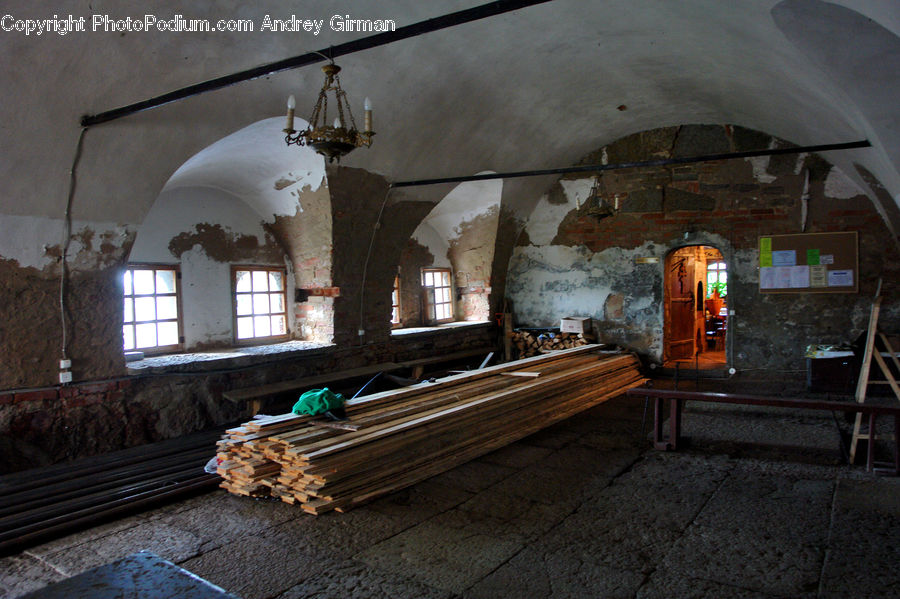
(680, 305)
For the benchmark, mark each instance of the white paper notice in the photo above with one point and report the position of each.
(767, 277)
(782, 277)
(784, 258)
(826, 258)
(799, 276)
(818, 276)
(840, 278)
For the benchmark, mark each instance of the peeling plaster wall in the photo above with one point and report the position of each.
(206, 231)
(31, 336)
(460, 233)
(413, 259)
(365, 276)
(437, 245)
(567, 262)
(546, 283)
(307, 235)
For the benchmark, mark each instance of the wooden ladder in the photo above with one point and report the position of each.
(864, 380)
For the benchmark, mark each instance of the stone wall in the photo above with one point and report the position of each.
(568, 262)
(41, 426)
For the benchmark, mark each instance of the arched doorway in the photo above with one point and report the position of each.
(695, 309)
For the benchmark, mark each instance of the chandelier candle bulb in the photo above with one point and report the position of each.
(367, 106)
(337, 122)
(291, 104)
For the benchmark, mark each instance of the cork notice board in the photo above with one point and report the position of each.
(809, 263)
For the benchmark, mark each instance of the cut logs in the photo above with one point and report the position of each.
(531, 343)
(407, 435)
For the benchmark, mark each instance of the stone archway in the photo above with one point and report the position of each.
(695, 320)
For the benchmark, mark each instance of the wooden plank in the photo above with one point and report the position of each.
(415, 432)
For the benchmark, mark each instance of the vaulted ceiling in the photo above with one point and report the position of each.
(535, 88)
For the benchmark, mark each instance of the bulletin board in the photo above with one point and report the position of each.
(809, 263)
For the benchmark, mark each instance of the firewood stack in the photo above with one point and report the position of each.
(395, 439)
(530, 343)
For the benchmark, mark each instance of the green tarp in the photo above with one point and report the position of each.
(318, 401)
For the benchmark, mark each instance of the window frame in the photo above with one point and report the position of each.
(258, 340)
(179, 317)
(430, 306)
(396, 317)
(716, 268)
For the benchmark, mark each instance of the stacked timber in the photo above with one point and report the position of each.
(530, 343)
(395, 439)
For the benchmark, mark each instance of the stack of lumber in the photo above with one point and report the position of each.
(394, 439)
(530, 343)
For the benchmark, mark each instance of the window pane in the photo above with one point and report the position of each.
(244, 304)
(245, 327)
(146, 335)
(150, 296)
(167, 333)
(143, 282)
(429, 279)
(262, 326)
(445, 278)
(260, 303)
(165, 281)
(276, 301)
(126, 281)
(260, 280)
(166, 308)
(276, 281)
(242, 281)
(278, 326)
(144, 308)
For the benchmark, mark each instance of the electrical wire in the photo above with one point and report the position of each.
(67, 237)
(362, 288)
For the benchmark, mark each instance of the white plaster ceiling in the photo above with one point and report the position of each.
(535, 88)
(255, 165)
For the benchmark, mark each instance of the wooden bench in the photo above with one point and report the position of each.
(677, 400)
(418, 365)
(253, 396)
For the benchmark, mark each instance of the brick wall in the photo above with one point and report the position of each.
(727, 204)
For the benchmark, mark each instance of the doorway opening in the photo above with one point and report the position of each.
(696, 308)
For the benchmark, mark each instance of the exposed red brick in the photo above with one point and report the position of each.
(96, 388)
(36, 395)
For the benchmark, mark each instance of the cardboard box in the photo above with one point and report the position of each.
(575, 324)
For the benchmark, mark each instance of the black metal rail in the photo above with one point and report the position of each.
(591, 168)
(44, 503)
(461, 17)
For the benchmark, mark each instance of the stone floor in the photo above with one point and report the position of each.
(759, 507)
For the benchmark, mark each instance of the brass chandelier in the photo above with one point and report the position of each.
(342, 136)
